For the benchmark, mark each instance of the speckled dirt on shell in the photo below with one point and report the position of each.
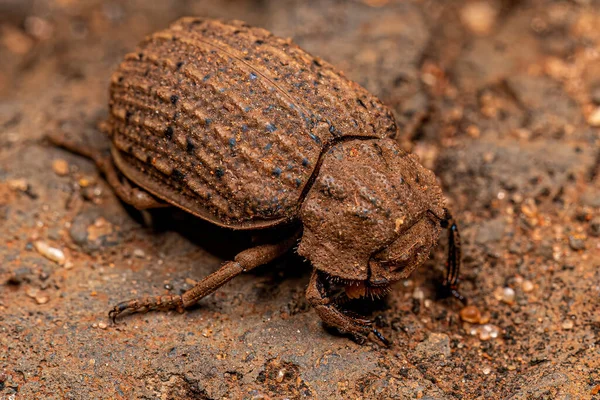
(505, 117)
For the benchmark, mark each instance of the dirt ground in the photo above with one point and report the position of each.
(500, 98)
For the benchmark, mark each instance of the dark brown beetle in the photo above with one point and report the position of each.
(248, 131)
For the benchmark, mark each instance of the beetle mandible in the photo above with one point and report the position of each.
(246, 130)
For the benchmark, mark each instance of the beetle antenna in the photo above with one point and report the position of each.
(454, 255)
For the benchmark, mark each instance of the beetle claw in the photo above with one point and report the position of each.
(373, 336)
(448, 290)
(112, 314)
(457, 295)
(381, 338)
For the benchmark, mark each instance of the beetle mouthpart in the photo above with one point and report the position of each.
(358, 289)
(355, 291)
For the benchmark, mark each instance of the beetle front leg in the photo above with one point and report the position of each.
(244, 261)
(360, 328)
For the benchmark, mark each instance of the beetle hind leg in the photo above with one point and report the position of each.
(134, 196)
(360, 328)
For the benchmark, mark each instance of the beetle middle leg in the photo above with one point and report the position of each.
(243, 261)
(326, 308)
(137, 197)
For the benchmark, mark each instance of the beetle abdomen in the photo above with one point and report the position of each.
(228, 121)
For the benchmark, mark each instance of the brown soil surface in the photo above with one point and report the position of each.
(500, 98)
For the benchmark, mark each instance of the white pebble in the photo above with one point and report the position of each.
(508, 295)
(486, 370)
(484, 335)
(51, 253)
(418, 294)
(568, 325)
(139, 253)
(486, 332)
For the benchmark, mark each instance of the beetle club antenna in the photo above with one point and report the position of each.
(452, 278)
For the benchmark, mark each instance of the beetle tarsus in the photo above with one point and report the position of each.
(167, 302)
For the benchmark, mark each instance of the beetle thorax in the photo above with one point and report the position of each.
(371, 206)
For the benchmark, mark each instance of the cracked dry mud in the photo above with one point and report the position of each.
(499, 98)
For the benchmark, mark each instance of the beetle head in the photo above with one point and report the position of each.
(372, 215)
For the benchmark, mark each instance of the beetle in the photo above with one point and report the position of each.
(247, 131)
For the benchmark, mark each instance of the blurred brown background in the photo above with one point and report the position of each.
(500, 98)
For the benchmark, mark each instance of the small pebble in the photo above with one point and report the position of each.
(60, 167)
(139, 253)
(42, 299)
(486, 370)
(505, 295)
(479, 17)
(485, 318)
(470, 314)
(101, 227)
(577, 242)
(418, 293)
(527, 286)
(16, 40)
(38, 28)
(568, 325)
(19, 185)
(280, 375)
(484, 335)
(102, 325)
(486, 332)
(86, 181)
(190, 281)
(594, 118)
(508, 295)
(50, 253)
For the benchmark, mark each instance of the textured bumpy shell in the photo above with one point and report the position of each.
(370, 197)
(228, 122)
